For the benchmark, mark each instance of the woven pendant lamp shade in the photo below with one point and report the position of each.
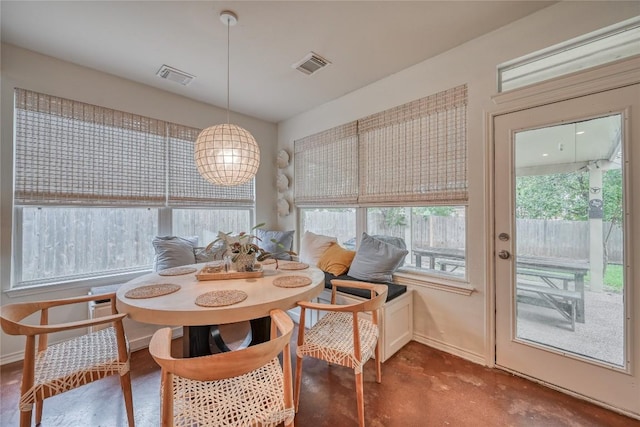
(227, 155)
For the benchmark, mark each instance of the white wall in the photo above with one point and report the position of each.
(29, 70)
(450, 321)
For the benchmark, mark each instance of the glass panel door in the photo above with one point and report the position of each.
(567, 230)
(570, 234)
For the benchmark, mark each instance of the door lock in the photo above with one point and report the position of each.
(504, 254)
(503, 237)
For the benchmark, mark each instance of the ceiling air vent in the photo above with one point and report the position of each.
(311, 63)
(175, 75)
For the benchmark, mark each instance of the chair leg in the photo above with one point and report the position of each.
(25, 418)
(378, 364)
(39, 411)
(28, 374)
(166, 399)
(125, 384)
(360, 399)
(298, 381)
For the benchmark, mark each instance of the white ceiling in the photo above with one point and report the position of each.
(365, 41)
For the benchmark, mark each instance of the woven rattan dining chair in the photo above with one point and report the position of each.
(245, 387)
(52, 369)
(343, 336)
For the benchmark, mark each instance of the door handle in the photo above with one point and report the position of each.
(504, 254)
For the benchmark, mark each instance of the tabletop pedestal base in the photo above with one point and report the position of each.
(207, 339)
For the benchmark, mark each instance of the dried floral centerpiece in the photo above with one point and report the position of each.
(244, 249)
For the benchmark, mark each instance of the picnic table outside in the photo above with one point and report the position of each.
(557, 282)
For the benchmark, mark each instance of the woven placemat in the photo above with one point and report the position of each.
(293, 266)
(291, 281)
(220, 298)
(177, 271)
(150, 291)
(268, 261)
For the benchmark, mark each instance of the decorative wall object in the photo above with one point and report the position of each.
(283, 159)
(283, 207)
(282, 182)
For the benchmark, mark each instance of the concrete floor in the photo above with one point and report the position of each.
(420, 386)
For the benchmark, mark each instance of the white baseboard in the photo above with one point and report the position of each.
(448, 348)
(139, 343)
(10, 358)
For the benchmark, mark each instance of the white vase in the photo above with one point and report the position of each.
(244, 262)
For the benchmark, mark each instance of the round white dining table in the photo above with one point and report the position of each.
(180, 309)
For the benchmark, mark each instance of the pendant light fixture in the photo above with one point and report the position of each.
(227, 154)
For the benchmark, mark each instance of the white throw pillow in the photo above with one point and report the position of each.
(312, 247)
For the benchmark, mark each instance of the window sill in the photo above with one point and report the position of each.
(432, 282)
(84, 283)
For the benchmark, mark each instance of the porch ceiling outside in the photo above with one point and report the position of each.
(569, 147)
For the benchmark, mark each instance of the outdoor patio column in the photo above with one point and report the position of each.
(596, 251)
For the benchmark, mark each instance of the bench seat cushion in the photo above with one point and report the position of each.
(395, 290)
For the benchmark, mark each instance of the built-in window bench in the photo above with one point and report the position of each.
(395, 318)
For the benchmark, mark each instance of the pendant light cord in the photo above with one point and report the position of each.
(228, 67)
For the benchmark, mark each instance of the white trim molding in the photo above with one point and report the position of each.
(451, 349)
(597, 79)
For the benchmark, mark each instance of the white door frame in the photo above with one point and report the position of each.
(602, 78)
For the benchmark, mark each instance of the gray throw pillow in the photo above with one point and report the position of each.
(215, 253)
(172, 251)
(276, 242)
(375, 260)
(398, 242)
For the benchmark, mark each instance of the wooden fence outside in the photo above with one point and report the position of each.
(67, 242)
(116, 239)
(547, 238)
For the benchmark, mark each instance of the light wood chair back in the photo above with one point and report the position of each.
(343, 336)
(51, 369)
(209, 389)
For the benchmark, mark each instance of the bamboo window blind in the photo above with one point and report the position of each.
(72, 153)
(186, 185)
(326, 169)
(410, 154)
(416, 152)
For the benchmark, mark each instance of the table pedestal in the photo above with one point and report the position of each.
(206, 339)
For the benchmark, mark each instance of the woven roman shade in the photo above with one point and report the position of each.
(71, 153)
(326, 167)
(416, 152)
(186, 185)
(412, 154)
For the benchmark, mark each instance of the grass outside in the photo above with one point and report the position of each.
(613, 277)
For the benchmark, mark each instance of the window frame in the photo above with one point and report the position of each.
(165, 226)
(197, 195)
(411, 270)
(408, 275)
(561, 52)
(435, 119)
